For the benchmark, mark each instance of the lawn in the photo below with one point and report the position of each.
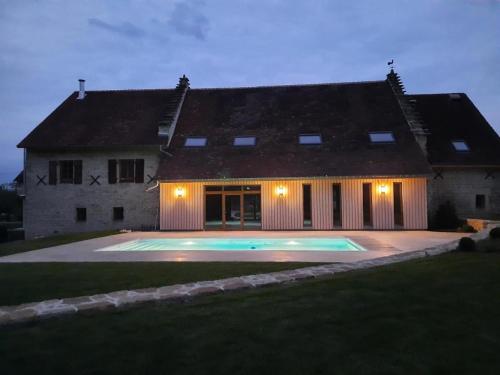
(30, 282)
(428, 316)
(14, 247)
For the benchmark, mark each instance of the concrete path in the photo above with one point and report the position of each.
(378, 243)
(182, 292)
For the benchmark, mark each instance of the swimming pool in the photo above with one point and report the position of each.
(238, 244)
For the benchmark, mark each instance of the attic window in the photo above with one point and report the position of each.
(195, 142)
(310, 139)
(244, 141)
(382, 137)
(455, 96)
(460, 146)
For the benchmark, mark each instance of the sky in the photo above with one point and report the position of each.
(46, 46)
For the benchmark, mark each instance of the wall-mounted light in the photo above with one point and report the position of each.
(382, 189)
(281, 191)
(179, 192)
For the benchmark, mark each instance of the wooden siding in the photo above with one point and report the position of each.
(286, 213)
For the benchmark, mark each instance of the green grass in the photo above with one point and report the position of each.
(436, 315)
(30, 282)
(14, 247)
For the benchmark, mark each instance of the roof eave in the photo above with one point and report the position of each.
(423, 175)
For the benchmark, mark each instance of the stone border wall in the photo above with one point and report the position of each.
(183, 292)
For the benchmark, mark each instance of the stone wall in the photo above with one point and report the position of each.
(51, 209)
(461, 187)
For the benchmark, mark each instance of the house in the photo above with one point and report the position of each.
(360, 155)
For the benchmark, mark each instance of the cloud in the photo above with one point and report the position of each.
(124, 28)
(438, 45)
(186, 19)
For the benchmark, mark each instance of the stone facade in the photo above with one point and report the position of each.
(460, 186)
(51, 209)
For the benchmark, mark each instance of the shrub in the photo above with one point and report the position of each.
(446, 217)
(466, 228)
(466, 244)
(495, 232)
(489, 245)
(15, 234)
(3, 234)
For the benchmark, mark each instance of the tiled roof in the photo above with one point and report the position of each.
(343, 114)
(106, 118)
(450, 117)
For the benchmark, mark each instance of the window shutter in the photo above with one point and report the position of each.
(52, 172)
(112, 171)
(78, 171)
(139, 171)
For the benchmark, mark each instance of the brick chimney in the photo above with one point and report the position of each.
(81, 93)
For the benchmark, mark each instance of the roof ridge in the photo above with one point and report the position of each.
(287, 85)
(129, 90)
(438, 93)
(240, 87)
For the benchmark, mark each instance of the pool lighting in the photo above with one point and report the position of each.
(382, 189)
(293, 243)
(179, 192)
(189, 243)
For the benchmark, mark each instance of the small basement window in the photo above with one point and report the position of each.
(381, 137)
(244, 141)
(480, 201)
(195, 142)
(460, 146)
(310, 139)
(118, 213)
(81, 214)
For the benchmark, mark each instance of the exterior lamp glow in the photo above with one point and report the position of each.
(179, 192)
(281, 191)
(382, 189)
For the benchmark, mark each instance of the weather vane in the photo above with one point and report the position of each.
(391, 63)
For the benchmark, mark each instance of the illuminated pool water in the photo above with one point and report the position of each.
(238, 244)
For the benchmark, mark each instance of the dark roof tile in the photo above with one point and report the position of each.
(343, 114)
(106, 118)
(451, 118)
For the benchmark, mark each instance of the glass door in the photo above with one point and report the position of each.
(232, 207)
(213, 211)
(232, 211)
(251, 211)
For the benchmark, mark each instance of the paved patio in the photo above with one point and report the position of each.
(378, 244)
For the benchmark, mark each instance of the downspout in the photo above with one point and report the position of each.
(153, 187)
(25, 185)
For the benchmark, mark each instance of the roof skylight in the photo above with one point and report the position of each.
(244, 141)
(310, 139)
(382, 137)
(195, 142)
(460, 145)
